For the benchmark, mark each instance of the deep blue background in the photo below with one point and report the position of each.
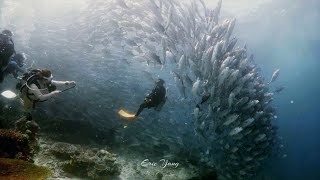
(291, 42)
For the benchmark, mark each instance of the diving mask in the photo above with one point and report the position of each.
(48, 78)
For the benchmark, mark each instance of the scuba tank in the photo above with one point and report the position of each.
(32, 77)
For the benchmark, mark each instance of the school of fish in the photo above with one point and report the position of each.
(199, 50)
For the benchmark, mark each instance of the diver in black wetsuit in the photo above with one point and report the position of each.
(155, 99)
(6, 51)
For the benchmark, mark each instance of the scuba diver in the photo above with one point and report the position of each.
(6, 51)
(155, 99)
(39, 86)
(15, 65)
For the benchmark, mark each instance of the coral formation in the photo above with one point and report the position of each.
(14, 145)
(95, 164)
(17, 169)
(64, 150)
(30, 128)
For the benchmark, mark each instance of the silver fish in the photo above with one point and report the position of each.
(196, 87)
(223, 76)
(180, 85)
(275, 75)
(169, 18)
(230, 99)
(260, 137)
(188, 81)
(279, 89)
(247, 122)
(182, 63)
(235, 131)
(231, 119)
(234, 149)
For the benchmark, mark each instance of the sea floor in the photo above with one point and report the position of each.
(134, 166)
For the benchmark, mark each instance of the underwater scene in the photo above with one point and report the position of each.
(159, 89)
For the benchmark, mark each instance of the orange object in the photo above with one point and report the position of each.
(123, 113)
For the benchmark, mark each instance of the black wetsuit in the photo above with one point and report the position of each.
(6, 51)
(154, 99)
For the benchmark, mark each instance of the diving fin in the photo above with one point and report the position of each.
(123, 113)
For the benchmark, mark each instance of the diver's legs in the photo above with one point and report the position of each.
(142, 106)
(159, 107)
(27, 106)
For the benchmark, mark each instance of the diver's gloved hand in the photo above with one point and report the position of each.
(71, 83)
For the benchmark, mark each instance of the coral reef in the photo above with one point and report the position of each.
(64, 150)
(30, 128)
(14, 145)
(82, 162)
(17, 169)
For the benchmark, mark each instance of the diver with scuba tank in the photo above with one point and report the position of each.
(39, 86)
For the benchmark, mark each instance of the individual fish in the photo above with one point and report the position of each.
(249, 131)
(212, 91)
(275, 75)
(163, 50)
(242, 101)
(251, 104)
(268, 95)
(231, 119)
(207, 54)
(217, 11)
(261, 158)
(231, 99)
(235, 131)
(225, 63)
(279, 89)
(228, 34)
(180, 83)
(196, 112)
(169, 18)
(248, 159)
(260, 137)
(196, 88)
(170, 57)
(188, 81)
(182, 63)
(223, 76)
(234, 149)
(259, 114)
(245, 78)
(242, 172)
(154, 57)
(217, 53)
(247, 122)
(194, 68)
(231, 44)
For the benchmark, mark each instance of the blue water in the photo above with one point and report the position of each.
(292, 43)
(283, 34)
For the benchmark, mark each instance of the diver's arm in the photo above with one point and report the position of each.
(19, 69)
(37, 93)
(63, 84)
